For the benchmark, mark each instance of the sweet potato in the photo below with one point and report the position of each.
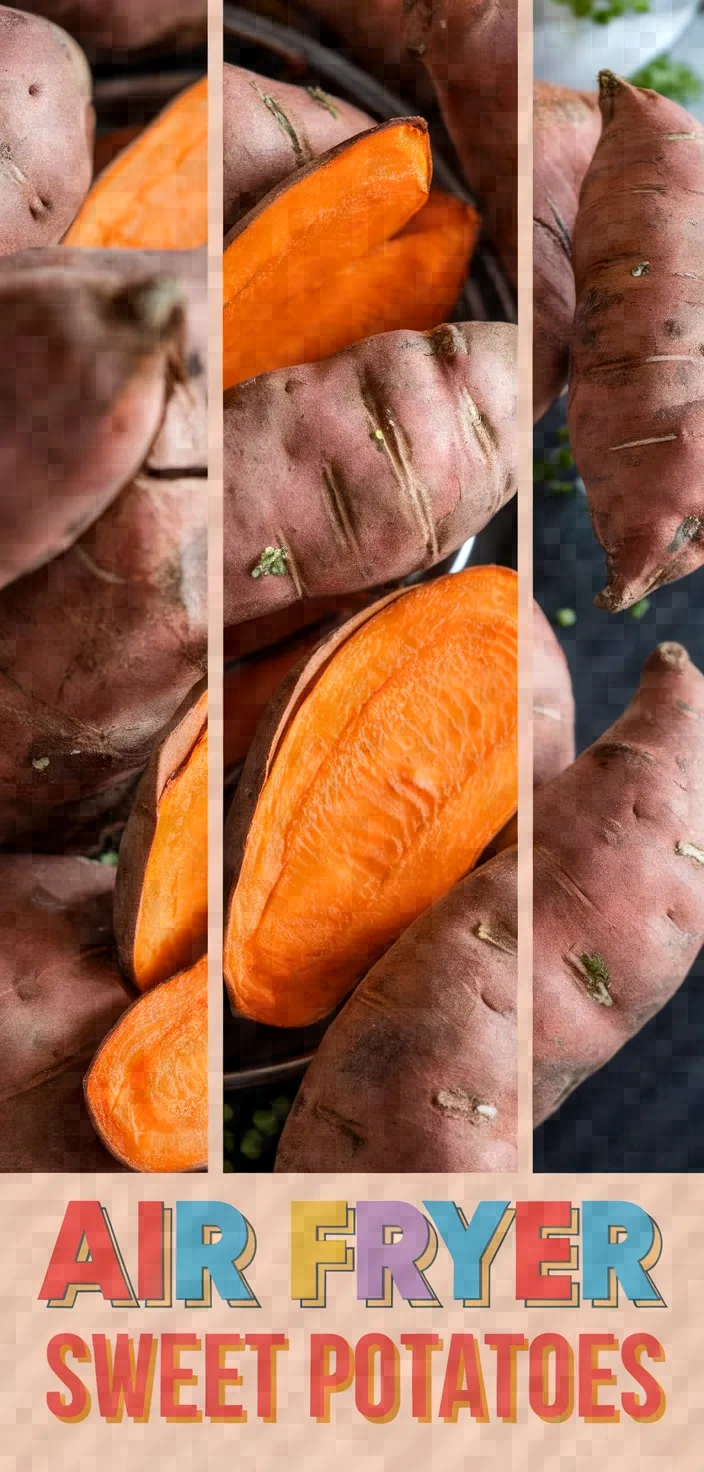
(377, 777)
(334, 210)
(366, 467)
(618, 879)
(46, 131)
(147, 1088)
(93, 341)
(129, 25)
(60, 992)
(372, 30)
(271, 129)
(154, 195)
(419, 1071)
(635, 407)
(470, 50)
(161, 893)
(566, 127)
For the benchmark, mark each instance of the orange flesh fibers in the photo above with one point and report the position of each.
(395, 772)
(154, 195)
(305, 231)
(173, 912)
(147, 1089)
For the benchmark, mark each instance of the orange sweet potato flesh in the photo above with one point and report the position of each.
(411, 281)
(161, 893)
(391, 765)
(147, 1088)
(338, 208)
(154, 196)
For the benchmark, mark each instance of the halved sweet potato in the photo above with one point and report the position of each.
(60, 993)
(380, 772)
(335, 210)
(161, 893)
(147, 1088)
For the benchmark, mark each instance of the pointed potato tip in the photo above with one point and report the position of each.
(609, 83)
(669, 656)
(613, 599)
(156, 305)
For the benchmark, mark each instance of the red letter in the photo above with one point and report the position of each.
(652, 1407)
(265, 1347)
(218, 1374)
(78, 1407)
(123, 1385)
(173, 1376)
(464, 1383)
(386, 1407)
(562, 1404)
(421, 1347)
(507, 1347)
(86, 1257)
(153, 1262)
(540, 1246)
(323, 1380)
(592, 1375)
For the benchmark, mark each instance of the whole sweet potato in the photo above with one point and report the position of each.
(419, 1070)
(553, 704)
(46, 131)
(93, 343)
(618, 879)
(129, 25)
(60, 993)
(566, 127)
(367, 466)
(636, 401)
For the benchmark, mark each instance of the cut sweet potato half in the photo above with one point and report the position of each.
(380, 772)
(147, 1088)
(161, 894)
(334, 211)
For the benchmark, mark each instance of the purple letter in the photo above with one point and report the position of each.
(384, 1259)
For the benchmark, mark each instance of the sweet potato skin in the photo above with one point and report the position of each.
(618, 879)
(367, 466)
(271, 129)
(553, 704)
(129, 25)
(46, 125)
(566, 127)
(418, 1071)
(635, 406)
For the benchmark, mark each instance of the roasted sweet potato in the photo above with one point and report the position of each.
(333, 211)
(46, 131)
(161, 894)
(60, 992)
(470, 49)
(635, 407)
(380, 772)
(566, 127)
(369, 466)
(154, 195)
(270, 130)
(129, 25)
(618, 879)
(94, 341)
(419, 1071)
(147, 1088)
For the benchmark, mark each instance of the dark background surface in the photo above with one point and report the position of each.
(645, 1110)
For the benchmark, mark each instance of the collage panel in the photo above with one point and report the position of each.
(618, 914)
(370, 585)
(103, 586)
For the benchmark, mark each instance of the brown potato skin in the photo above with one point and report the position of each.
(304, 471)
(260, 148)
(566, 127)
(428, 1034)
(553, 703)
(129, 25)
(172, 749)
(46, 125)
(60, 992)
(608, 880)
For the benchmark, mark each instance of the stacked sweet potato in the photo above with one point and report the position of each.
(103, 623)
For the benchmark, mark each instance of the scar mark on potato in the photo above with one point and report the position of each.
(339, 1122)
(562, 230)
(687, 531)
(300, 146)
(340, 507)
(396, 447)
(688, 850)
(653, 440)
(594, 974)
(480, 426)
(497, 935)
(461, 1105)
(94, 568)
(603, 752)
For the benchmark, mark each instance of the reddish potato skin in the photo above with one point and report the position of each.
(427, 1036)
(270, 130)
(46, 126)
(304, 471)
(609, 882)
(470, 50)
(636, 399)
(553, 704)
(566, 127)
(129, 25)
(60, 992)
